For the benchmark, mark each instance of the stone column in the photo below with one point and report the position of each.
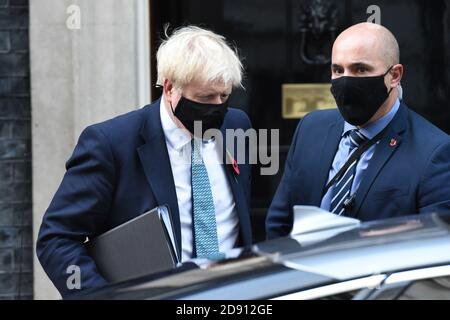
(80, 75)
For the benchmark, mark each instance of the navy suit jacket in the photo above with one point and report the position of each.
(120, 169)
(412, 176)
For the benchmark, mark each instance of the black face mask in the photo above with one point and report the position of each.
(359, 98)
(211, 115)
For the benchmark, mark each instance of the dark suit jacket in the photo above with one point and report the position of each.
(411, 177)
(120, 169)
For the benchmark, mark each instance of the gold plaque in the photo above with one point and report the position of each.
(301, 99)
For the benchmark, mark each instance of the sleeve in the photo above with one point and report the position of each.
(245, 124)
(279, 218)
(434, 187)
(77, 211)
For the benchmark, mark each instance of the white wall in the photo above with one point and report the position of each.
(79, 77)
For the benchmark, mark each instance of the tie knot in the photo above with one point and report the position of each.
(357, 138)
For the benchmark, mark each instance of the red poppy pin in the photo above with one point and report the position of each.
(393, 143)
(233, 163)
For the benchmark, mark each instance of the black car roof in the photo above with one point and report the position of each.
(370, 248)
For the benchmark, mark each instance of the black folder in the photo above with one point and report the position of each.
(139, 247)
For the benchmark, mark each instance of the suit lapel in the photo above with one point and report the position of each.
(328, 152)
(240, 200)
(383, 152)
(156, 163)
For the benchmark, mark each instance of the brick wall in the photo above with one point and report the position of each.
(16, 272)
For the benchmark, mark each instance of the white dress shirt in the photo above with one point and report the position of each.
(179, 148)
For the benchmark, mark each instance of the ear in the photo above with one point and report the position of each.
(168, 89)
(397, 75)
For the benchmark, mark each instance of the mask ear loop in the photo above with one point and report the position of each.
(160, 87)
(171, 107)
(389, 70)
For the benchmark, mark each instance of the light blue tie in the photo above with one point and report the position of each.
(343, 187)
(205, 227)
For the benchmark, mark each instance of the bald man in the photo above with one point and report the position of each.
(372, 158)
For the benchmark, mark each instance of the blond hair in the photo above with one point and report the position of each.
(195, 54)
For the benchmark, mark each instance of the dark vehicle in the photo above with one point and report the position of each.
(400, 258)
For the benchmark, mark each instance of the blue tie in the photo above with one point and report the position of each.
(205, 227)
(343, 187)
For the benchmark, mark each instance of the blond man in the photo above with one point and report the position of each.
(128, 165)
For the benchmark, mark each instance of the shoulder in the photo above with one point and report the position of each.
(425, 131)
(322, 116)
(125, 123)
(236, 118)
(318, 122)
(125, 127)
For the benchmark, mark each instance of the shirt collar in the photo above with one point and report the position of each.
(176, 137)
(376, 127)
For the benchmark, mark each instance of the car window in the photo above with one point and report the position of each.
(342, 296)
(428, 289)
(431, 283)
(344, 290)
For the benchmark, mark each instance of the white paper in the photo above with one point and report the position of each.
(164, 214)
(307, 239)
(309, 219)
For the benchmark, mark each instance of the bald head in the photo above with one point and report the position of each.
(369, 50)
(368, 41)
